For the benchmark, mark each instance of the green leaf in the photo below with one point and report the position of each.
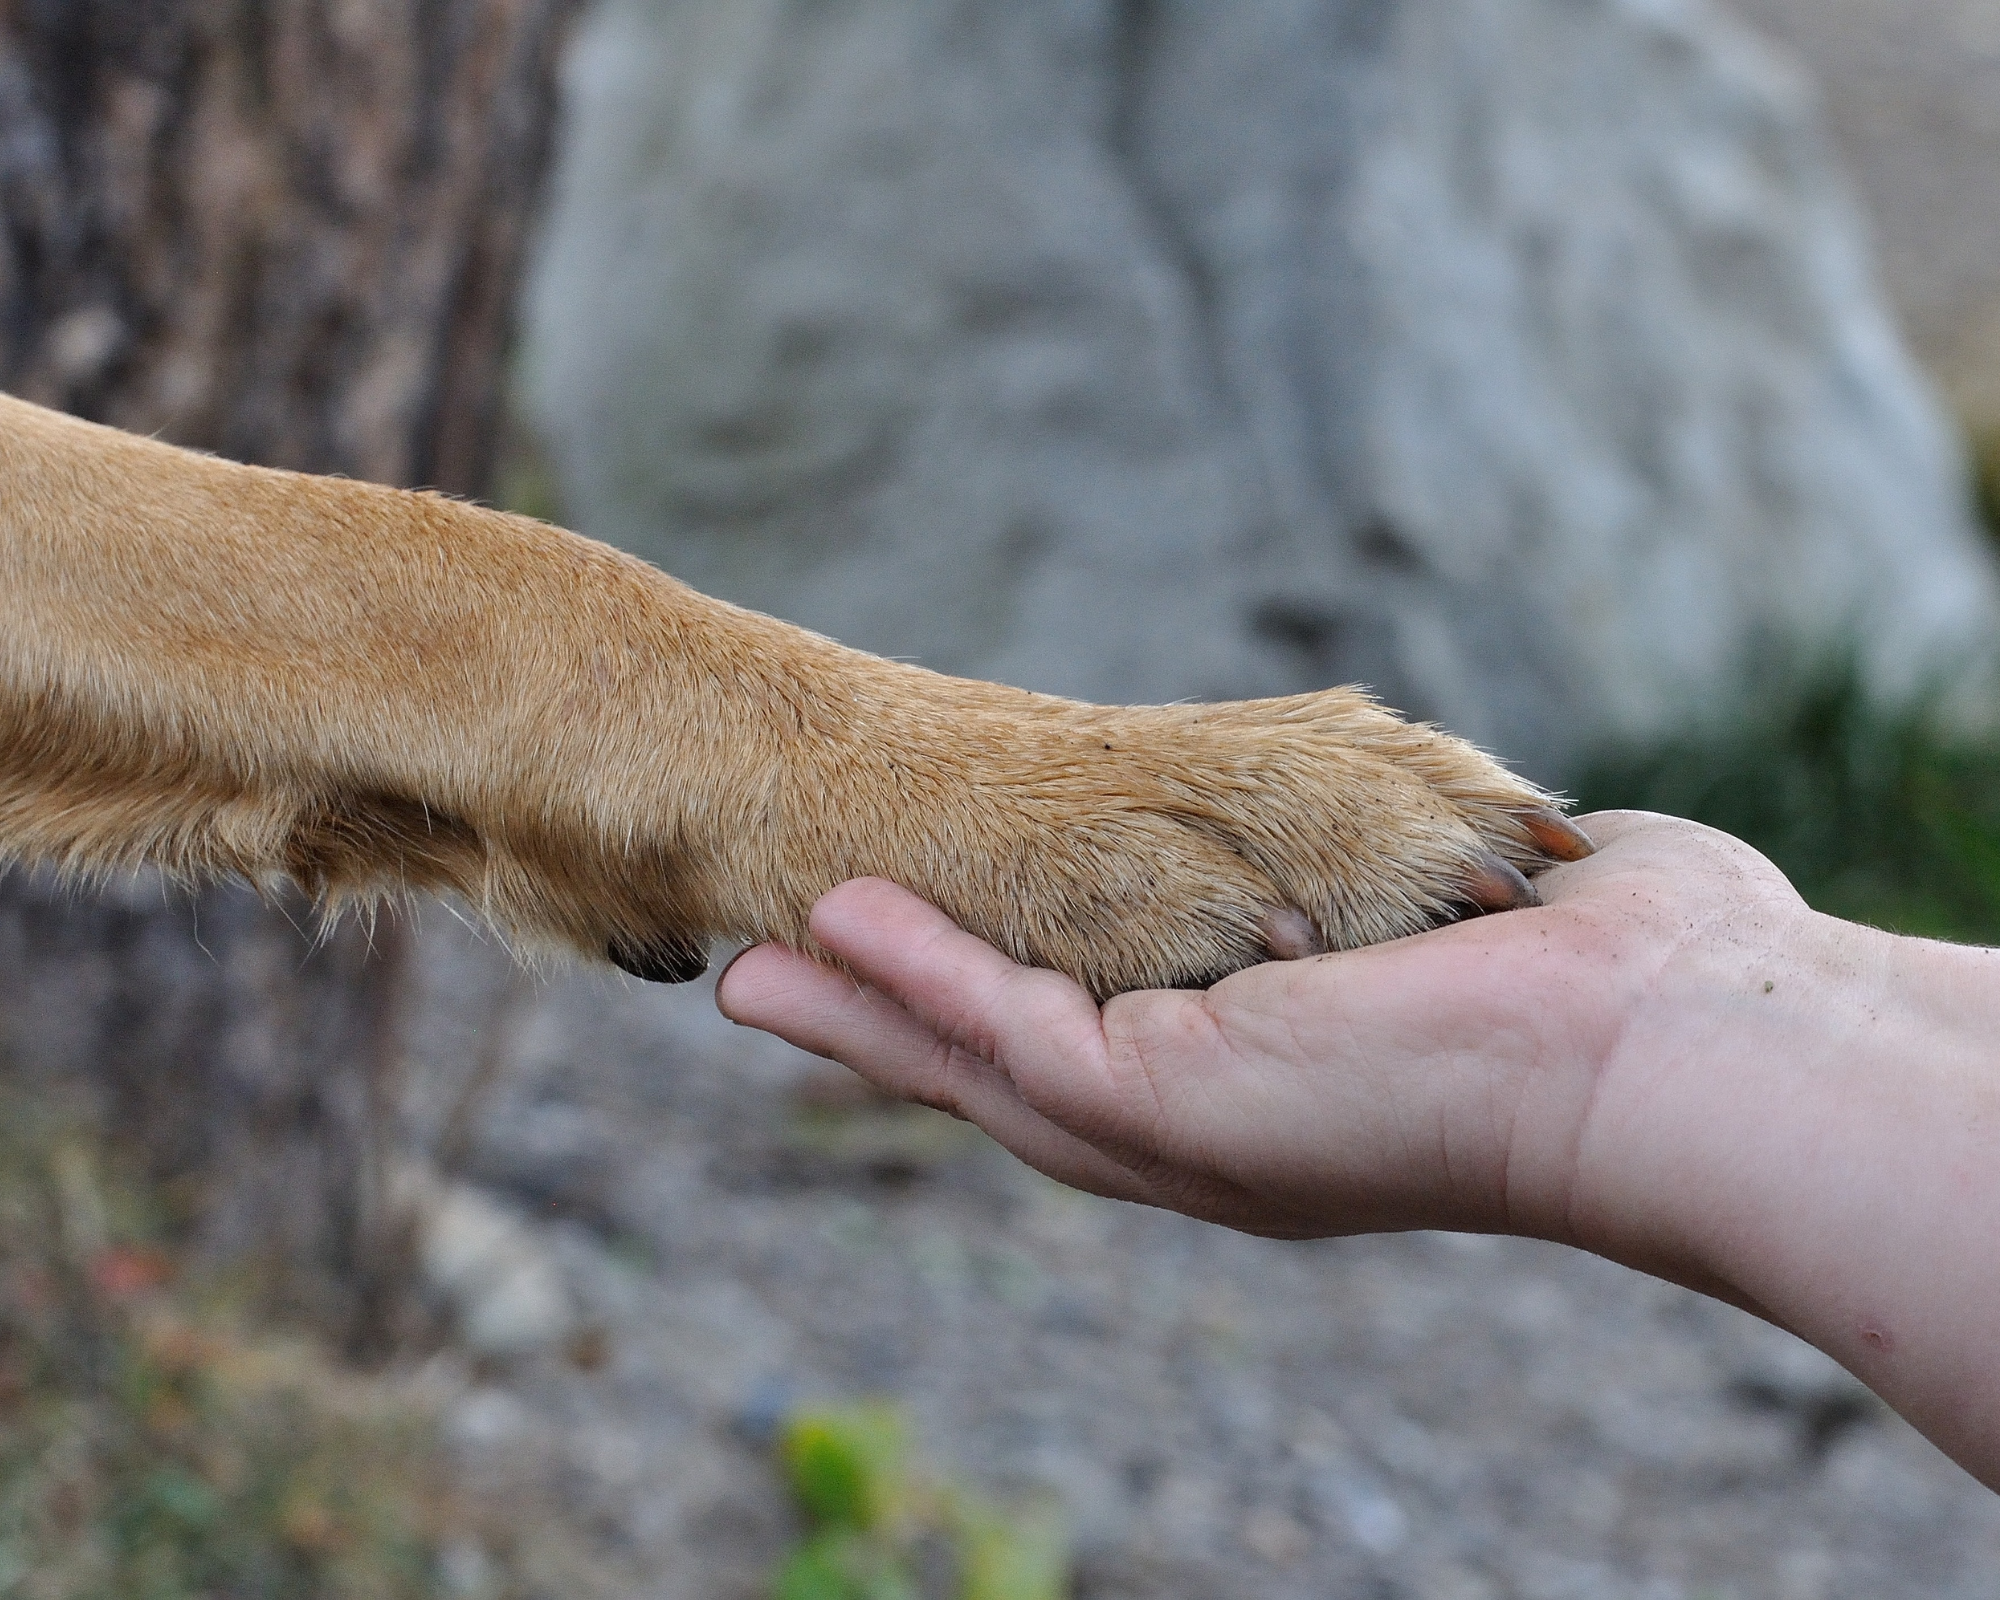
(814, 1573)
(847, 1465)
(1020, 1557)
(842, 1565)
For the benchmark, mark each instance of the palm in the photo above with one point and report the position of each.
(1435, 1081)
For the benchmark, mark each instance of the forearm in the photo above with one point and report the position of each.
(1811, 1123)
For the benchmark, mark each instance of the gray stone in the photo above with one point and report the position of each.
(1521, 358)
(488, 1265)
(1912, 89)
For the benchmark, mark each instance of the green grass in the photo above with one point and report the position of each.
(879, 1530)
(1879, 815)
(1983, 454)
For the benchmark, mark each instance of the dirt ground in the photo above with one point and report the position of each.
(1428, 1416)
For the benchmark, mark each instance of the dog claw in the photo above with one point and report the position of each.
(1290, 935)
(661, 963)
(1498, 885)
(1555, 835)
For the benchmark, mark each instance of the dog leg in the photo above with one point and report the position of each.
(225, 670)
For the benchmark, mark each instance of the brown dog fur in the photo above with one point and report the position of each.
(218, 669)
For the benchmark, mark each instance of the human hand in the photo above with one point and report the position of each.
(1672, 1062)
(1444, 1080)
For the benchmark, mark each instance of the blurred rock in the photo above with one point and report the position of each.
(1822, 1399)
(1523, 360)
(1913, 95)
(486, 1262)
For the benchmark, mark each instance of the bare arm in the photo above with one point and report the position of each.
(1673, 1063)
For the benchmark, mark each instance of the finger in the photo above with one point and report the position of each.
(827, 1012)
(964, 989)
(1605, 829)
(1605, 826)
(1040, 1028)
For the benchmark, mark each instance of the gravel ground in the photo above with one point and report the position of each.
(1425, 1415)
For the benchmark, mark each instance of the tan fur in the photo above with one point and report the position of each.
(219, 669)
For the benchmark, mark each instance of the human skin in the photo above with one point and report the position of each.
(1673, 1063)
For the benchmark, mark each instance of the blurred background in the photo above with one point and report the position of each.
(1614, 381)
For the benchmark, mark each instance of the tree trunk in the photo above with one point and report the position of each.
(288, 231)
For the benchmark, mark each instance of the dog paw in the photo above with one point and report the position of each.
(1161, 847)
(1193, 841)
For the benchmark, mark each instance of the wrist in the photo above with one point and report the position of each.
(1802, 1119)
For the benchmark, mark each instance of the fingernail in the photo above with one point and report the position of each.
(722, 975)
